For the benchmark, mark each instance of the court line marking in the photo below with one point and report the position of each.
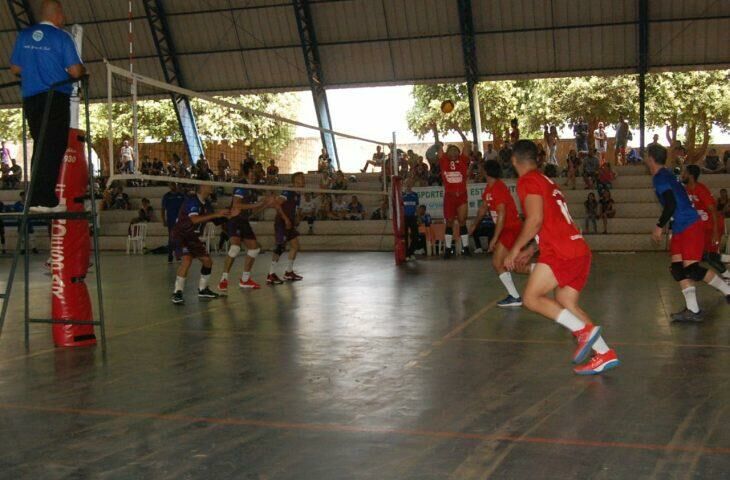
(342, 428)
(567, 342)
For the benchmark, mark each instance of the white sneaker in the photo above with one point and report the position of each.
(478, 251)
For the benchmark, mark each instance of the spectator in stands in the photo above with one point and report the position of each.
(606, 176)
(514, 131)
(224, 168)
(677, 155)
(591, 206)
(126, 164)
(590, 169)
(655, 140)
(355, 209)
(308, 211)
(723, 204)
(146, 167)
(272, 173)
(340, 208)
(4, 154)
(16, 174)
(120, 200)
(420, 175)
(580, 131)
(377, 160)
(485, 230)
(434, 172)
(18, 207)
(551, 140)
(202, 167)
(5, 174)
(339, 182)
(491, 153)
(607, 209)
(601, 142)
(726, 160)
(541, 156)
(324, 164)
(380, 213)
(623, 135)
(712, 162)
(171, 203)
(410, 207)
(259, 174)
(572, 166)
(476, 160)
(144, 215)
(325, 211)
(505, 161)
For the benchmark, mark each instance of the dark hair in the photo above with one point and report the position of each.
(493, 169)
(693, 170)
(525, 151)
(658, 153)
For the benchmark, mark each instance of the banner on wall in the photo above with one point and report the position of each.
(433, 197)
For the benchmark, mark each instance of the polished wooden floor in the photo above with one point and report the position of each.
(367, 371)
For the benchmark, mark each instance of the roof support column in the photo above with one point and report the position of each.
(468, 45)
(643, 69)
(310, 48)
(22, 13)
(172, 73)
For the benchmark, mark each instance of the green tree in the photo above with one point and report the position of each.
(10, 124)
(692, 102)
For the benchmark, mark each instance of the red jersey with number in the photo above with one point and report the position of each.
(499, 194)
(702, 200)
(453, 173)
(558, 236)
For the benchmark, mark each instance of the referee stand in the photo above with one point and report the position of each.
(25, 219)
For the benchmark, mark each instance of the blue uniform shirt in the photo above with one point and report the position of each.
(685, 214)
(410, 204)
(44, 52)
(191, 208)
(248, 197)
(171, 203)
(291, 202)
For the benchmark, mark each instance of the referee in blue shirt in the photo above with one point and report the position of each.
(43, 55)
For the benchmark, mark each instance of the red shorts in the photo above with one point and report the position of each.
(690, 243)
(452, 202)
(508, 237)
(572, 272)
(710, 246)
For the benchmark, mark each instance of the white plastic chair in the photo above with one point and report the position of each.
(136, 240)
(209, 237)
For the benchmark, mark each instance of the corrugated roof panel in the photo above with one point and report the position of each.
(203, 32)
(111, 40)
(581, 13)
(679, 9)
(347, 21)
(590, 49)
(6, 19)
(428, 59)
(421, 17)
(496, 15)
(269, 27)
(285, 68)
(350, 64)
(689, 43)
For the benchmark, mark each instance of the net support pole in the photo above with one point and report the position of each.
(110, 126)
(134, 123)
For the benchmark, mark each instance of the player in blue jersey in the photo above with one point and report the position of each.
(410, 212)
(194, 213)
(171, 203)
(688, 239)
(239, 230)
(286, 232)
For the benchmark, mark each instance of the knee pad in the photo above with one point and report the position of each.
(205, 270)
(696, 272)
(449, 231)
(463, 230)
(279, 250)
(678, 272)
(253, 252)
(715, 261)
(234, 250)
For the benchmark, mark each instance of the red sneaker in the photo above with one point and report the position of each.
(585, 338)
(292, 277)
(249, 284)
(223, 285)
(599, 364)
(273, 279)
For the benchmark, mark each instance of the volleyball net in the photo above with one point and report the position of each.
(159, 133)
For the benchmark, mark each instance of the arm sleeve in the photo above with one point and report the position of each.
(670, 204)
(16, 59)
(70, 54)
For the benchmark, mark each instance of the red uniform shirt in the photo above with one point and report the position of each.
(702, 199)
(453, 174)
(558, 236)
(499, 194)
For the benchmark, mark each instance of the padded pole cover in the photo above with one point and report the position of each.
(70, 251)
(398, 218)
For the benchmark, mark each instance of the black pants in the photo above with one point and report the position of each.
(50, 154)
(411, 234)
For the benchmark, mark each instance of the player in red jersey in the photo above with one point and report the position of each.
(454, 170)
(706, 207)
(498, 202)
(563, 264)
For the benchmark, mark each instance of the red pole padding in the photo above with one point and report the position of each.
(70, 251)
(398, 218)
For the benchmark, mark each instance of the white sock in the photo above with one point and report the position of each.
(290, 265)
(245, 276)
(272, 268)
(203, 282)
(179, 284)
(724, 258)
(224, 276)
(464, 240)
(690, 298)
(719, 284)
(569, 321)
(600, 346)
(725, 274)
(506, 279)
(448, 239)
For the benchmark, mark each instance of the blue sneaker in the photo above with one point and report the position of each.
(510, 301)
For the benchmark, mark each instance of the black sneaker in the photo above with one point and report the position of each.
(169, 259)
(727, 297)
(687, 316)
(35, 250)
(466, 252)
(207, 293)
(177, 298)
(447, 253)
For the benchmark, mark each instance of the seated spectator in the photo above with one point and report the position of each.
(491, 153)
(485, 229)
(475, 166)
(424, 220)
(355, 209)
(591, 206)
(224, 169)
(15, 175)
(712, 162)
(376, 161)
(120, 200)
(308, 211)
(381, 213)
(505, 161)
(107, 198)
(726, 160)
(590, 169)
(723, 204)
(158, 168)
(203, 170)
(572, 164)
(325, 181)
(259, 174)
(324, 164)
(434, 173)
(420, 175)
(607, 209)
(5, 172)
(606, 176)
(146, 167)
(339, 182)
(339, 208)
(633, 158)
(144, 215)
(272, 173)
